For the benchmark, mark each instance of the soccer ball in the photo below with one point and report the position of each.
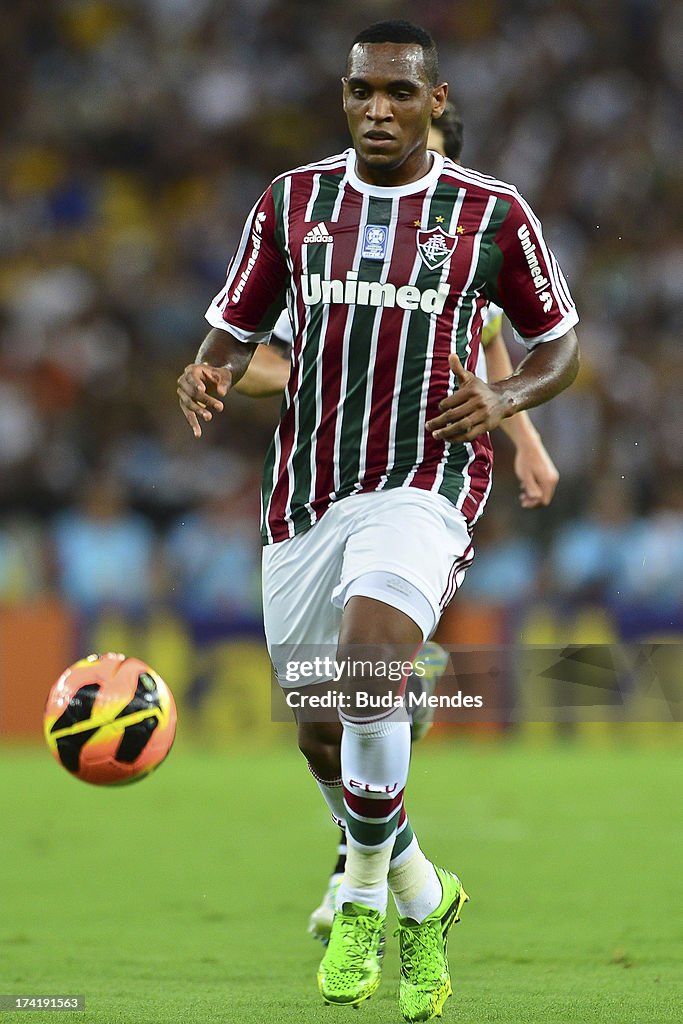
(109, 719)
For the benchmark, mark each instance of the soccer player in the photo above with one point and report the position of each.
(268, 374)
(386, 256)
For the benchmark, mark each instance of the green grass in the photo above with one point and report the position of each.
(185, 898)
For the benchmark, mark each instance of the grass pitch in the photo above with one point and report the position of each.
(185, 898)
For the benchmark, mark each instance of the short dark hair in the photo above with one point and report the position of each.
(399, 31)
(451, 127)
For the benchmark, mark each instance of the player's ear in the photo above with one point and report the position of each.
(439, 97)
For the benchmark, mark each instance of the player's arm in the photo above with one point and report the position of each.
(535, 470)
(268, 372)
(221, 361)
(477, 406)
(524, 279)
(242, 315)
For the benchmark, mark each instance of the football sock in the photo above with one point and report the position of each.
(341, 854)
(375, 757)
(333, 792)
(403, 842)
(403, 839)
(414, 883)
(365, 877)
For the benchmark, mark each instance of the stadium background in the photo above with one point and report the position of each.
(136, 134)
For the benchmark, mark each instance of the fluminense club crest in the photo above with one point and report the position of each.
(435, 247)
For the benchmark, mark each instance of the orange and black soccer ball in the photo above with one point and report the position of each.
(110, 719)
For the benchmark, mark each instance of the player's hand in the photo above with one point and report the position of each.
(472, 410)
(194, 386)
(537, 474)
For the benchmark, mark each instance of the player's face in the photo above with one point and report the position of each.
(389, 105)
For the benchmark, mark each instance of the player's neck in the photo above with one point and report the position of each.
(417, 166)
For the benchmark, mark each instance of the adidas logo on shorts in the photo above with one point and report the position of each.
(318, 234)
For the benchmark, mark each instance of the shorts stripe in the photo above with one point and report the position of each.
(459, 565)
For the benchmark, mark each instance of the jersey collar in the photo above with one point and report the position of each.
(421, 185)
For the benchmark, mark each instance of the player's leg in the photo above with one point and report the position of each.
(375, 746)
(433, 660)
(301, 621)
(320, 920)
(411, 555)
(299, 576)
(404, 848)
(375, 754)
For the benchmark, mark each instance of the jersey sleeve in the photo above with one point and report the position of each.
(253, 296)
(527, 281)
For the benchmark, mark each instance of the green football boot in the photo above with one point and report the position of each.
(425, 982)
(351, 969)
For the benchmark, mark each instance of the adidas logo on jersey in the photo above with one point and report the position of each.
(318, 234)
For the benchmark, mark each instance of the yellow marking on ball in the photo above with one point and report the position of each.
(100, 722)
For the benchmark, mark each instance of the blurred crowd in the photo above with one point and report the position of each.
(137, 135)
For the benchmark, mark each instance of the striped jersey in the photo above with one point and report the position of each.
(381, 284)
(492, 323)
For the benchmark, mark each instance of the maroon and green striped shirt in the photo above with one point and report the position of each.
(381, 285)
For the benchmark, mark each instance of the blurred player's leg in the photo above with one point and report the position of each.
(320, 921)
(422, 685)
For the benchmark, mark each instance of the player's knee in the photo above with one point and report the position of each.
(370, 619)
(319, 742)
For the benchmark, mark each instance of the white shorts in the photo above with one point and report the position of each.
(406, 547)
